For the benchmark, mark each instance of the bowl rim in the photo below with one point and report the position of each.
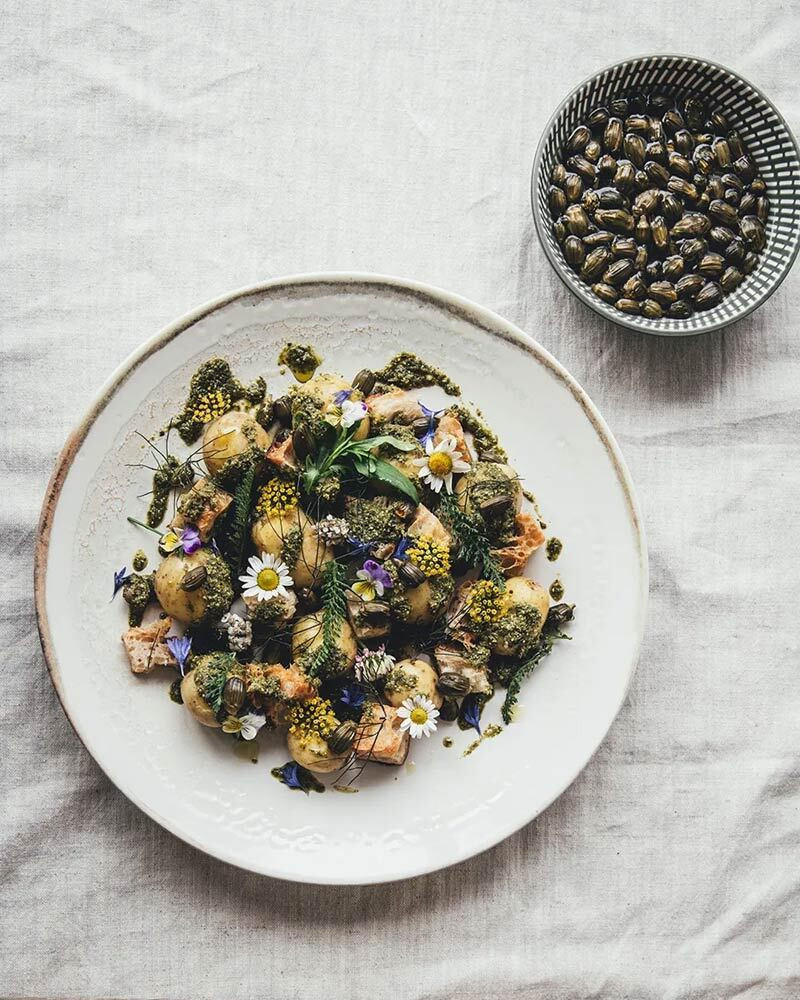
(495, 325)
(590, 300)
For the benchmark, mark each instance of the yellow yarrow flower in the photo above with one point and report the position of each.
(279, 496)
(485, 603)
(432, 557)
(312, 718)
(211, 405)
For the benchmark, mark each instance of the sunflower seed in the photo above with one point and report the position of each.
(194, 578)
(657, 172)
(684, 143)
(721, 235)
(627, 305)
(625, 174)
(612, 135)
(558, 174)
(597, 117)
(634, 147)
(689, 285)
(365, 380)
(616, 219)
(574, 252)
(599, 239)
(679, 165)
(673, 267)
(709, 295)
(663, 292)
(573, 187)
(762, 208)
(659, 232)
(606, 292)
(749, 263)
(735, 251)
(753, 232)
(593, 151)
(595, 263)
(680, 310)
(652, 309)
(670, 207)
(634, 287)
(577, 220)
(711, 265)
(731, 277)
(638, 123)
(682, 188)
(618, 272)
(606, 165)
(646, 202)
(745, 168)
(693, 248)
(723, 213)
(577, 140)
(692, 224)
(581, 166)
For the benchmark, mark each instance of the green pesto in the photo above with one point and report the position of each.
(217, 589)
(291, 547)
(306, 410)
(308, 783)
(554, 547)
(442, 588)
(328, 487)
(447, 742)
(139, 560)
(210, 673)
(233, 471)
(301, 360)
(268, 613)
(246, 750)
(484, 437)
(518, 629)
(170, 474)
(267, 687)
(373, 520)
(556, 590)
(407, 371)
(175, 691)
(489, 733)
(212, 375)
(478, 656)
(403, 433)
(137, 593)
(399, 680)
(334, 665)
(264, 413)
(192, 504)
(487, 480)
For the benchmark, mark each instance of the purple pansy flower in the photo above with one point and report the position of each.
(371, 581)
(120, 579)
(180, 646)
(190, 539)
(471, 712)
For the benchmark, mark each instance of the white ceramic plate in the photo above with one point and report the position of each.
(404, 821)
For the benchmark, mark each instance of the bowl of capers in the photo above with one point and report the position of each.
(666, 195)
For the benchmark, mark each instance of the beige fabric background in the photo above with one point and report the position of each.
(155, 154)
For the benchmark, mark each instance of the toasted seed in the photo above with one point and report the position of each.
(695, 112)
(704, 138)
(577, 220)
(684, 143)
(749, 263)
(693, 248)
(762, 208)
(574, 252)
(656, 151)
(624, 246)
(641, 181)
(745, 168)
(635, 287)
(581, 166)
(652, 309)
(640, 260)
(700, 181)
(711, 265)
(557, 200)
(689, 285)
(365, 381)
(731, 277)
(597, 117)
(627, 305)
(682, 188)
(496, 504)
(642, 229)
(590, 202)
(303, 443)
(452, 685)
(709, 295)
(735, 251)
(558, 174)
(703, 158)
(691, 224)
(646, 202)
(748, 204)
(233, 693)
(659, 232)
(731, 195)
(599, 239)
(194, 578)
(671, 208)
(595, 263)
(680, 310)
(758, 186)
(609, 197)
(753, 232)
(638, 123)
(606, 164)
(634, 147)
(282, 410)
(702, 203)
(673, 267)
(663, 292)
(606, 292)
(559, 230)
(577, 140)
(341, 739)
(616, 219)
(593, 151)
(612, 135)
(673, 120)
(735, 143)
(718, 121)
(573, 187)
(730, 180)
(679, 165)
(619, 106)
(723, 213)
(618, 272)
(657, 172)
(722, 152)
(653, 270)
(721, 235)
(625, 174)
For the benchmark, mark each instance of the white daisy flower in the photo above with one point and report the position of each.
(419, 716)
(440, 462)
(266, 578)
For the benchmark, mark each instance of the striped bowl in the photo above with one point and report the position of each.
(763, 130)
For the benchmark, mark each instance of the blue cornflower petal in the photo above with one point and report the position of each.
(402, 546)
(180, 646)
(340, 396)
(120, 579)
(352, 695)
(471, 712)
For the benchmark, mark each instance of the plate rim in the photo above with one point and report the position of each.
(591, 301)
(493, 324)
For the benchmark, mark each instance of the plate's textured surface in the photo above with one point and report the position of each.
(404, 821)
(764, 132)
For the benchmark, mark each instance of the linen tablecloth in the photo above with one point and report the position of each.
(156, 154)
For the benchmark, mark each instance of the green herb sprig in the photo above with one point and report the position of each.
(558, 615)
(234, 532)
(334, 610)
(345, 456)
(475, 546)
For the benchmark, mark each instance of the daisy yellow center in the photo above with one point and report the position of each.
(268, 579)
(440, 463)
(419, 716)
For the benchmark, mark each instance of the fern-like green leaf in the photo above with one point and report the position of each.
(473, 541)
(334, 610)
(233, 536)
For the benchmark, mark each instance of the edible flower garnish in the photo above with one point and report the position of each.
(189, 540)
(239, 631)
(471, 712)
(266, 578)
(279, 496)
(352, 695)
(352, 412)
(312, 718)
(180, 646)
(432, 557)
(372, 580)
(332, 530)
(211, 405)
(371, 664)
(247, 726)
(419, 716)
(432, 416)
(485, 602)
(121, 577)
(440, 462)
(296, 777)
